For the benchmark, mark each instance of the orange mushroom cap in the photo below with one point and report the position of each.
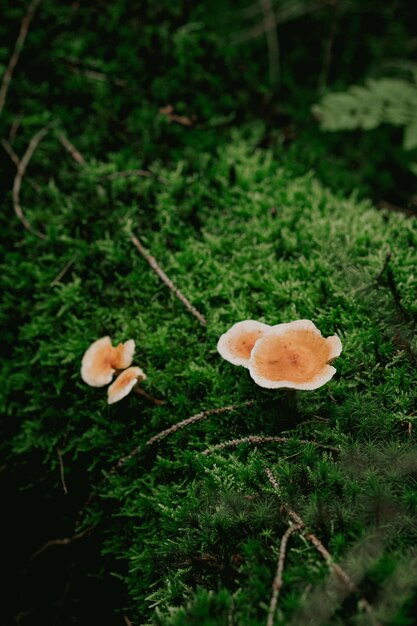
(294, 356)
(237, 343)
(101, 360)
(124, 384)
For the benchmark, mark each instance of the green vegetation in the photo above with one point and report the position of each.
(247, 209)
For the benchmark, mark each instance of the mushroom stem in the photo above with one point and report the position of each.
(148, 396)
(291, 399)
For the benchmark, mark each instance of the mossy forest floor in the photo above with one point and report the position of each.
(98, 526)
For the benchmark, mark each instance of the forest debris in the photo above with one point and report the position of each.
(17, 184)
(159, 271)
(315, 541)
(168, 112)
(264, 439)
(71, 149)
(61, 471)
(195, 418)
(8, 74)
(278, 581)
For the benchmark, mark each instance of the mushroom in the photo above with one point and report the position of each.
(124, 384)
(294, 356)
(101, 360)
(237, 343)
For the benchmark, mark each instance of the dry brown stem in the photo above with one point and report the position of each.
(148, 396)
(61, 471)
(168, 282)
(278, 582)
(59, 542)
(71, 149)
(8, 74)
(264, 439)
(12, 154)
(315, 541)
(195, 418)
(62, 273)
(17, 184)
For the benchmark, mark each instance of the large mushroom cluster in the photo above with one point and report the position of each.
(102, 361)
(290, 356)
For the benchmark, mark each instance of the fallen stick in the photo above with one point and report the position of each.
(17, 184)
(264, 439)
(195, 418)
(61, 471)
(71, 149)
(178, 426)
(8, 74)
(157, 269)
(278, 582)
(321, 549)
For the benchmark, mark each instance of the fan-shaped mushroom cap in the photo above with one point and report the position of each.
(124, 384)
(237, 343)
(101, 360)
(294, 356)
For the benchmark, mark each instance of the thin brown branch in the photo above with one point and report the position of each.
(59, 542)
(148, 396)
(278, 581)
(14, 128)
(129, 173)
(127, 620)
(62, 273)
(264, 439)
(196, 418)
(17, 184)
(157, 269)
(71, 149)
(12, 154)
(62, 471)
(321, 549)
(8, 74)
(271, 34)
(178, 426)
(329, 45)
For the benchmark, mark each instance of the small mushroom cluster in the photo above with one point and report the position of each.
(102, 361)
(289, 356)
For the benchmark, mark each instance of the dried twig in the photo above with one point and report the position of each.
(128, 173)
(270, 25)
(12, 154)
(71, 149)
(264, 439)
(171, 116)
(195, 418)
(21, 170)
(278, 582)
(178, 426)
(329, 44)
(157, 269)
(62, 273)
(59, 542)
(61, 471)
(315, 541)
(24, 28)
(148, 396)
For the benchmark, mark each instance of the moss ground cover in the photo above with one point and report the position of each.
(181, 532)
